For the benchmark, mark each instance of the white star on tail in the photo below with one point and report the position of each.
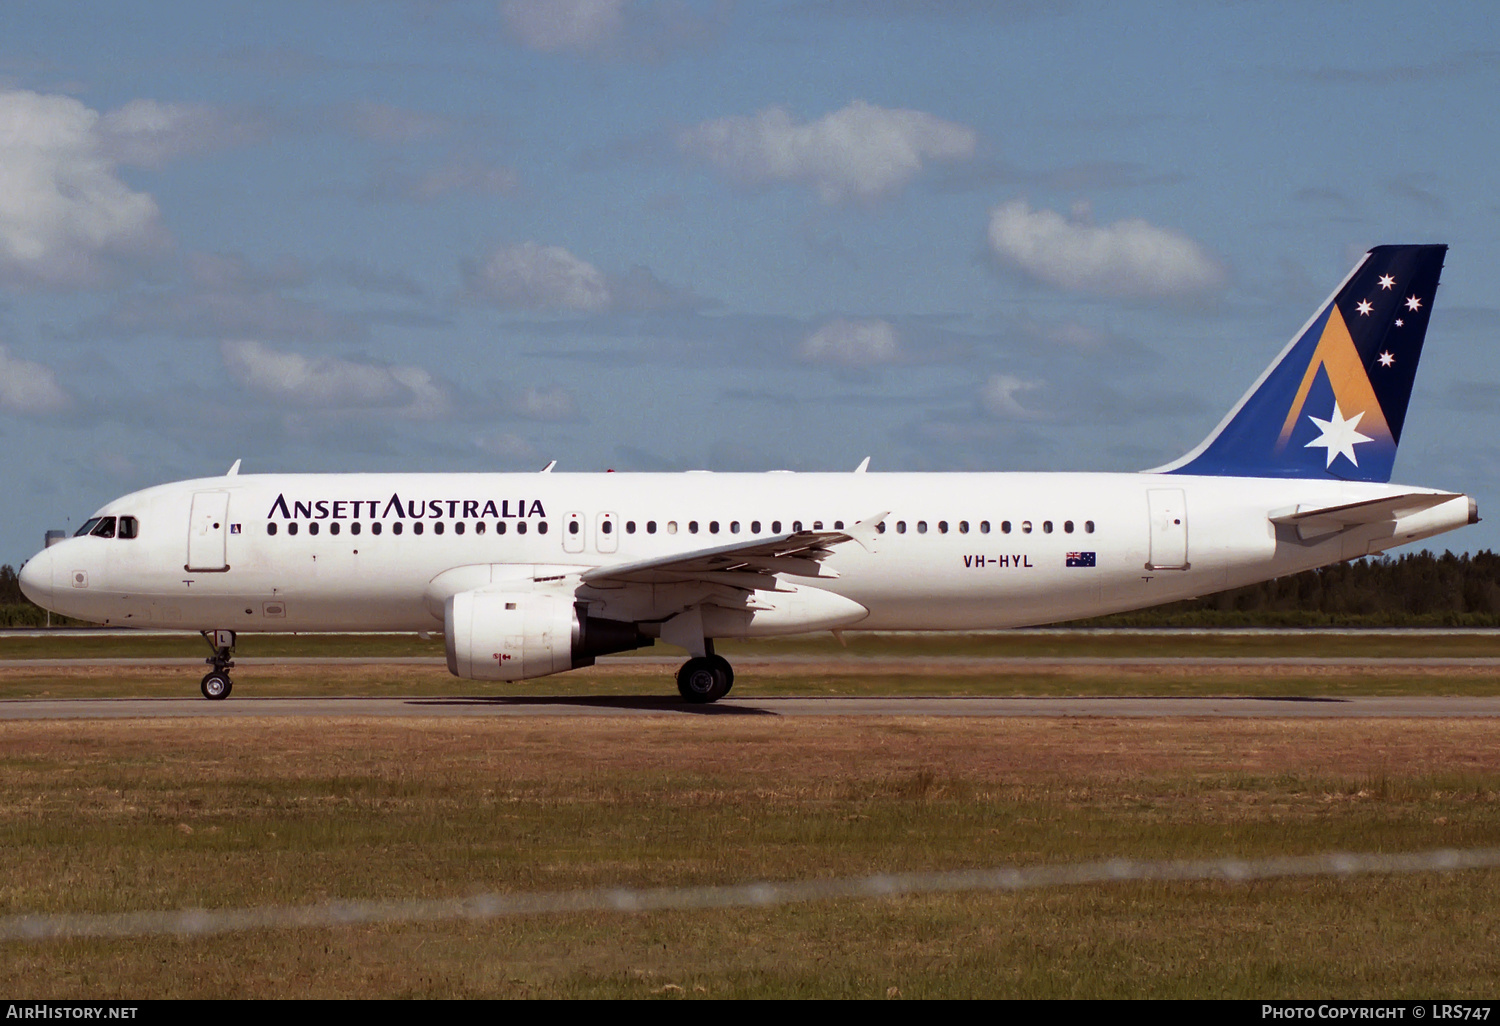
(1387, 359)
(1413, 303)
(1364, 308)
(1386, 281)
(1339, 436)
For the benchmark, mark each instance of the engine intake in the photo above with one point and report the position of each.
(517, 635)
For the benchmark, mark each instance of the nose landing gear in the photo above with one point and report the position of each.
(216, 684)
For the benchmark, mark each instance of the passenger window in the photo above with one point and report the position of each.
(901, 527)
(500, 527)
(541, 527)
(437, 528)
(692, 527)
(630, 527)
(333, 528)
(651, 527)
(838, 525)
(713, 527)
(416, 527)
(271, 528)
(796, 526)
(921, 527)
(1026, 527)
(984, 526)
(479, 528)
(880, 527)
(1005, 527)
(396, 527)
(521, 526)
(963, 527)
(942, 527)
(291, 528)
(458, 528)
(734, 527)
(671, 527)
(572, 527)
(1088, 526)
(354, 527)
(1068, 526)
(375, 527)
(817, 525)
(312, 528)
(776, 527)
(1046, 527)
(127, 527)
(106, 528)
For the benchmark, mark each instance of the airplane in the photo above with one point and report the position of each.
(533, 574)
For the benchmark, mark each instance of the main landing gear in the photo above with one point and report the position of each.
(705, 678)
(216, 684)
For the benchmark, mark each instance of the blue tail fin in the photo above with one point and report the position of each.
(1333, 403)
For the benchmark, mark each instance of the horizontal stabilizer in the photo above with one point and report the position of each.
(1319, 520)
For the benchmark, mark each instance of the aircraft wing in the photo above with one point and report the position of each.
(1370, 511)
(750, 564)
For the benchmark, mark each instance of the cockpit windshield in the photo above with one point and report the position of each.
(105, 527)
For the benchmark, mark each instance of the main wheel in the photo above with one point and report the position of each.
(216, 686)
(704, 679)
(723, 664)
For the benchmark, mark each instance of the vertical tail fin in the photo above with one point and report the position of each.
(1333, 403)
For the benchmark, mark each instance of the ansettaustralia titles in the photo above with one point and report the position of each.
(397, 508)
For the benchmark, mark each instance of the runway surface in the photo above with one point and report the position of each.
(618, 706)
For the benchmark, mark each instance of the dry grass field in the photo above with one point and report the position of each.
(137, 815)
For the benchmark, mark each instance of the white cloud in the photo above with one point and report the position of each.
(330, 383)
(27, 387)
(506, 445)
(554, 403)
(549, 279)
(852, 343)
(861, 152)
(148, 133)
(551, 25)
(63, 213)
(1128, 258)
(1000, 396)
(531, 276)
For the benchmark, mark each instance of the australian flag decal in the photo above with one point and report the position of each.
(1080, 559)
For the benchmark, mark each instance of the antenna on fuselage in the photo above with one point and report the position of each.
(233, 470)
(864, 466)
(548, 468)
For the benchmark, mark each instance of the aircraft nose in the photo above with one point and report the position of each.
(36, 578)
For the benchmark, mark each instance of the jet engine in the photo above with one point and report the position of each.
(508, 635)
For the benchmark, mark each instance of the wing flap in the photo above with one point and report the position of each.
(751, 564)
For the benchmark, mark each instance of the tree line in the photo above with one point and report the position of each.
(1410, 590)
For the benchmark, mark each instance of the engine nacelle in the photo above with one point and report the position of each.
(510, 635)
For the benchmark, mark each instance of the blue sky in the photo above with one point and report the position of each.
(645, 236)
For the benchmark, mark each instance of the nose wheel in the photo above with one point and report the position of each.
(216, 684)
(705, 679)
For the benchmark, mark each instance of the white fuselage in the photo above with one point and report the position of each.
(958, 552)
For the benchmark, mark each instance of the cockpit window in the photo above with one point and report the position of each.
(105, 528)
(88, 526)
(128, 528)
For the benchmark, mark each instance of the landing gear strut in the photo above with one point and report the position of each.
(705, 678)
(216, 684)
